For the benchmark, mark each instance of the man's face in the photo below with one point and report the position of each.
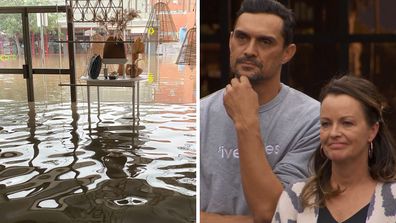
(257, 46)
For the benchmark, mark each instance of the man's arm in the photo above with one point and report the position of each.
(261, 186)
(218, 218)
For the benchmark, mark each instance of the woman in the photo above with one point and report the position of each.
(355, 166)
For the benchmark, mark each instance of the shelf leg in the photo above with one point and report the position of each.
(89, 104)
(138, 101)
(133, 102)
(97, 89)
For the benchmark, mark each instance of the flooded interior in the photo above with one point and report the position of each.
(58, 163)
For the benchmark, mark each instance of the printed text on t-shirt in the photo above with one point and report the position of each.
(232, 152)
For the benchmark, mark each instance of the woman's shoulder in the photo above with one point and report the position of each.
(296, 186)
(387, 186)
(390, 184)
(382, 206)
(387, 190)
(289, 204)
(292, 193)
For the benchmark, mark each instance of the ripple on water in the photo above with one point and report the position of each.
(53, 158)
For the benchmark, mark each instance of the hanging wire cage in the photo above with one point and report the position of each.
(160, 27)
(187, 54)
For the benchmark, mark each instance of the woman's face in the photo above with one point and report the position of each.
(344, 132)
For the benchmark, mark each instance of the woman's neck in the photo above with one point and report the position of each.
(350, 174)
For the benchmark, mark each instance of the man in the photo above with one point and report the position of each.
(257, 134)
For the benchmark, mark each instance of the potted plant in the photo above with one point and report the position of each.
(115, 26)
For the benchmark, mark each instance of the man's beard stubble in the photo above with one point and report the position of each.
(255, 77)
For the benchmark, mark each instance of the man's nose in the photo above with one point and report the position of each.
(251, 48)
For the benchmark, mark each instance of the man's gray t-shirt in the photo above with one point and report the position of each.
(289, 128)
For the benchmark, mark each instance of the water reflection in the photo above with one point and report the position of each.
(59, 166)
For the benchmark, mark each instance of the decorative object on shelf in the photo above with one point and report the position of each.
(105, 72)
(113, 75)
(94, 66)
(114, 47)
(138, 48)
(98, 45)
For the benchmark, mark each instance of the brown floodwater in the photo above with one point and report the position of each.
(59, 165)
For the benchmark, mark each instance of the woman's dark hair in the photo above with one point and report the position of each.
(275, 8)
(382, 164)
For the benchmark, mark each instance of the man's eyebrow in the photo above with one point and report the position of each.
(240, 32)
(260, 37)
(269, 38)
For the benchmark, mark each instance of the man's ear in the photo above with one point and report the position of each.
(288, 53)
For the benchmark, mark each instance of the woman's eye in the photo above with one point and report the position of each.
(324, 124)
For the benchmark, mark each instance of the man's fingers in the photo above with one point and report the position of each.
(234, 81)
(227, 89)
(244, 80)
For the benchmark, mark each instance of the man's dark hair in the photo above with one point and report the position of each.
(275, 8)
